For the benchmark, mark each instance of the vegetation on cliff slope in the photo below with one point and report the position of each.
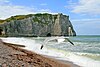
(35, 19)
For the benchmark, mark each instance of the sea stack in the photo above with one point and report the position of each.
(37, 25)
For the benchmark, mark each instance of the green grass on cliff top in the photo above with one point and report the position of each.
(20, 17)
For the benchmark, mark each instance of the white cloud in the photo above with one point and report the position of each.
(44, 10)
(47, 11)
(7, 10)
(87, 26)
(83, 20)
(4, 1)
(87, 7)
(43, 4)
(70, 4)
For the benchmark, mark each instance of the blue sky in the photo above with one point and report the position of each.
(84, 14)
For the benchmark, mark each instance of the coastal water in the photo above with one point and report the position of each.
(85, 52)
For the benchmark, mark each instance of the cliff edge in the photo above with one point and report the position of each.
(37, 25)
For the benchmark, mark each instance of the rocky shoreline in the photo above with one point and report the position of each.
(15, 56)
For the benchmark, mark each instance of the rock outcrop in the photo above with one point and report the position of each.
(38, 25)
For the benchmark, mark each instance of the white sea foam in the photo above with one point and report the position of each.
(59, 54)
(60, 40)
(30, 44)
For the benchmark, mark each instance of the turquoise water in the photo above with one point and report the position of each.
(88, 46)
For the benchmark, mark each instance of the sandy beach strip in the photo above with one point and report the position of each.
(11, 55)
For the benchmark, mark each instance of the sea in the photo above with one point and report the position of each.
(85, 52)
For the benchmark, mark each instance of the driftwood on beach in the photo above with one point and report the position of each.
(14, 44)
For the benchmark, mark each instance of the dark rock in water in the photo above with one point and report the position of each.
(41, 47)
(48, 35)
(38, 25)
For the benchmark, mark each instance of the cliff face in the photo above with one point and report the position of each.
(38, 25)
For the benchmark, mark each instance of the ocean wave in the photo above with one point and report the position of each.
(33, 45)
